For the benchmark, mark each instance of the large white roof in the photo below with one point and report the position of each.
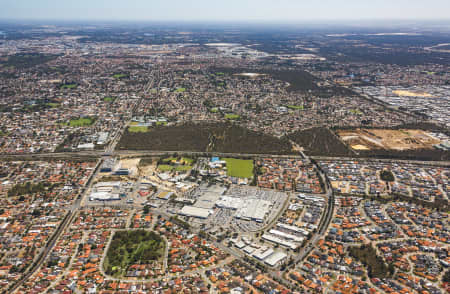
(195, 211)
(275, 258)
(104, 196)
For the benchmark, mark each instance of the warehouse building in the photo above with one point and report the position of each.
(104, 196)
(195, 212)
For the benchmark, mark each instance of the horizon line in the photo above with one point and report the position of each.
(230, 21)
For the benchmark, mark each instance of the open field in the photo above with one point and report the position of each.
(183, 168)
(232, 116)
(411, 94)
(295, 107)
(239, 168)
(69, 86)
(212, 137)
(109, 99)
(129, 163)
(119, 76)
(138, 129)
(82, 122)
(169, 168)
(369, 139)
(53, 104)
(356, 111)
(169, 159)
(165, 167)
(147, 167)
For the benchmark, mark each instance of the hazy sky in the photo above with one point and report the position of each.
(224, 10)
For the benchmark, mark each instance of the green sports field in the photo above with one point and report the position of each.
(239, 168)
(295, 107)
(165, 167)
(119, 76)
(183, 168)
(82, 122)
(170, 168)
(137, 129)
(169, 159)
(232, 116)
(69, 86)
(53, 105)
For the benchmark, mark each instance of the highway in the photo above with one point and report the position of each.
(94, 154)
(130, 153)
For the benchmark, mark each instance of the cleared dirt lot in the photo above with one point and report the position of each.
(411, 94)
(404, 139)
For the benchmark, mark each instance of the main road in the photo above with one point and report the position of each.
(94, 154)
(324, 221)
(59, 230)
(310, 244)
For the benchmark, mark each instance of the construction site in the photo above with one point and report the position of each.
(372, 139)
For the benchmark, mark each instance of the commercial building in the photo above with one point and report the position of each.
(102, 138)
(275, 259)
(104, 196)
(253, 209)
(195, 212)
(280, 241)
(263, 253)
(229, 202)
(108, 165)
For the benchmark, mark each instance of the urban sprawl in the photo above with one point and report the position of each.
(182, 162)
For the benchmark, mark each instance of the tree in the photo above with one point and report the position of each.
(36, 213)
(387, 176)
(446, 277)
